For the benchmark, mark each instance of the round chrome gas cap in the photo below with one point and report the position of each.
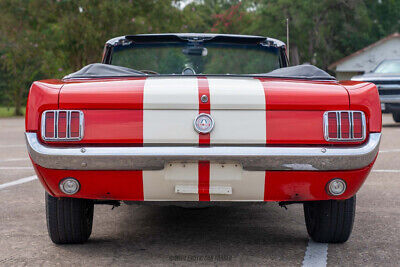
(203, 123)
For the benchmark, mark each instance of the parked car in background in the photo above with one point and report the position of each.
(193, 119)
(386, 76)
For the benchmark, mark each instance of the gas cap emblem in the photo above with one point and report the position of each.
(203, 123)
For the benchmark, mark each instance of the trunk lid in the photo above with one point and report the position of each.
(161, 110)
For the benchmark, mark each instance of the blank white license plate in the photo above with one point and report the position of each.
(192, 189)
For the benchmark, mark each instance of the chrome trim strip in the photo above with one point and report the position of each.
(323, 158)
(339, 126)
(351, 131)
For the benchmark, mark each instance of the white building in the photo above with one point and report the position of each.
(366, 59)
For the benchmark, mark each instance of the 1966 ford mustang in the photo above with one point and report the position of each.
(194, 119)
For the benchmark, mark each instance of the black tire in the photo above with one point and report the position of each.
(330, 221)
(396, 116)
(69, 220)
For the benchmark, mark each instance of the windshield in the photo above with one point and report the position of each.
(190, 58)
(388, 66)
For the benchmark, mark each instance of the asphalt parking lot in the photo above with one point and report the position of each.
(244, 235)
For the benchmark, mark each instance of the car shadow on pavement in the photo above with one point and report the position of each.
(168, 232)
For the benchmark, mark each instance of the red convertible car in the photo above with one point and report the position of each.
(201, 119)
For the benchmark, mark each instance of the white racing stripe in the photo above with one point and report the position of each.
(169, 108)
(238, 108)
(19, 181)
(316, 254)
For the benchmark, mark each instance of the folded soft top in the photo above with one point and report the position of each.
(99, 70)
(300, 72)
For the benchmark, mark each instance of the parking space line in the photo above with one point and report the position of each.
(394, 171)
(19, 181)
(16, 168)
(389, 151)
(11, 146)
(15, 159)
(316, 254)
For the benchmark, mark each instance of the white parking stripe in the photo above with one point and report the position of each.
(316, 254)
(10, 146)
(389, 151)
(19, 181)
(16, 168)
(395, 171)
(16, 159)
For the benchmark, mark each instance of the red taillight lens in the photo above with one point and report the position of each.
(357, 125)
(344, 126)
(333, 125)
(49, 128)
(75, 122)
(62, 125)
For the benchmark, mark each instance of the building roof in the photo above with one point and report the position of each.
(387, 38)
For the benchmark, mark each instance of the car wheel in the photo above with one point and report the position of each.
(69, 220)
(396, 116)
(330, 221)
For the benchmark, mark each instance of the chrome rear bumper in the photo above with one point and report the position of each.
(322, 158)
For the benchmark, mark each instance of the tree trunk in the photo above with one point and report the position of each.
(18, 103)
(294, 55)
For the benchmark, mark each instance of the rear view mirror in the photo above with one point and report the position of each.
(195, 51)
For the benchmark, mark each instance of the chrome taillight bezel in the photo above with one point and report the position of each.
(351, 126)
(68, 126)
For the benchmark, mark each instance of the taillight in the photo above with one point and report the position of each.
(344, 125)
(62, 125)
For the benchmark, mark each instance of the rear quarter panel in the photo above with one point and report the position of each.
(364, 96)
(43, 95)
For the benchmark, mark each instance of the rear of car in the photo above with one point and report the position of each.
(200, 136)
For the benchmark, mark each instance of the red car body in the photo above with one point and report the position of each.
(118, 103)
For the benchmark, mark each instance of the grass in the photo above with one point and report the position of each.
(6, 112)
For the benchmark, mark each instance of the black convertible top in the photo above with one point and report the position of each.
(310, 72)
(99, 70)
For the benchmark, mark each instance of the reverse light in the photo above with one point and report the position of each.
(336, 187)
(346, 125)
(62, 125)
(69, 186)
